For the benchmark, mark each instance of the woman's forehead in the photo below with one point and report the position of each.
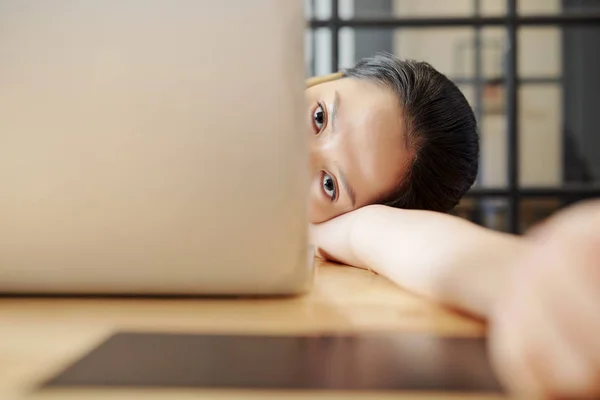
(370, 117)
(363, 98)
(370, 109)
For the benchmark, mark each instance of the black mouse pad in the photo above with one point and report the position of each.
(364, 362)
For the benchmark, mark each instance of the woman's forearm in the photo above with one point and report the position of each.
(444, 257)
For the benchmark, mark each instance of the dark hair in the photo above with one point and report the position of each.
(440, 128)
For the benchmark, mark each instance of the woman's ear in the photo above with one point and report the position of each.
(317, 80)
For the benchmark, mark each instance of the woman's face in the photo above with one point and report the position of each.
(358, 150)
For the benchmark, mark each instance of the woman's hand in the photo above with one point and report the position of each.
(541, 293)
(545, 330)
(333, 239)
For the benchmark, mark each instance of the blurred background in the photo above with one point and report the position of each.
(529, 68)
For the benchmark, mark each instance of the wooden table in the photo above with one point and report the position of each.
(41, 336)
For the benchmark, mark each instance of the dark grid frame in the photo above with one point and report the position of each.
(511, 21)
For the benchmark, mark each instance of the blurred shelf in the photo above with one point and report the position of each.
(592, 190)
(576, 19)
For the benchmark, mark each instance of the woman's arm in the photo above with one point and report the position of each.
(444, 257)
(541, 293)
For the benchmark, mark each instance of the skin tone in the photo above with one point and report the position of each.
(540, 292)
(358, 151)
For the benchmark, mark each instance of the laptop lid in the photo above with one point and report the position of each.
(152, 146)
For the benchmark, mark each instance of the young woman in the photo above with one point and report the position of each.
(400, 137)
(389, 132)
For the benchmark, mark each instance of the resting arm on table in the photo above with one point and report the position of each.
(541, 293)
(438, 255)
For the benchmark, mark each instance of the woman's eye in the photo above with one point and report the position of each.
(319, 118)
(329, 186)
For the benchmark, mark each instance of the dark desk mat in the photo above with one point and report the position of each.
(364, 362)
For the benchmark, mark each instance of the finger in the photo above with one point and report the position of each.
(506, 347)
(533, 360)
(561, 366)
(509, 333)
(556, 361)
(571, 288)
(575, 306)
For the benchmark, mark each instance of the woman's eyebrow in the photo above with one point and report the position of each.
(346, 185)
(334, 109)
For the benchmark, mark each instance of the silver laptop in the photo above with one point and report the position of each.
(152, 147)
